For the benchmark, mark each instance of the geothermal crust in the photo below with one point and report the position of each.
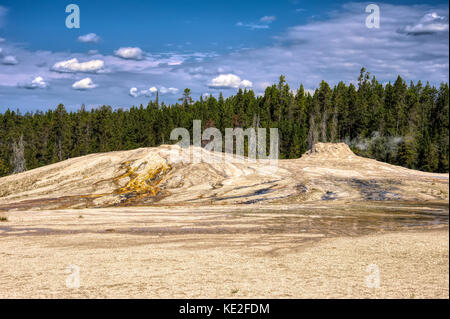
(159, 176)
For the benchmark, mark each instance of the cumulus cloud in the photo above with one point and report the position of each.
(73, 65)
(246, 84)
(89, 38)
(9, 60)
(429, 23)
(229, 81)
(134, 92)
(129, 53)
(84, 84)
(35, 83)
(153, 89)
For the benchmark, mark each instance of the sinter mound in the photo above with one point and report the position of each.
(330, 150)
(150, 176)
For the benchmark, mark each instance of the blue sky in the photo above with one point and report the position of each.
(125, 51)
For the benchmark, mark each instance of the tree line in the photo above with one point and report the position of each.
(397, 123)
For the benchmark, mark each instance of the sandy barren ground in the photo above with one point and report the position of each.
(310, 252)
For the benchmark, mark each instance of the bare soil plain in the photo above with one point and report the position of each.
(136, 224)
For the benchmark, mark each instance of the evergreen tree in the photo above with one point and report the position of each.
(400, 124)
(186, 98)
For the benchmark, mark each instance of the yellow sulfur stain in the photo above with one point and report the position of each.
(143, 181)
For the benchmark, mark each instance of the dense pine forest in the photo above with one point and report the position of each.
(396, 123)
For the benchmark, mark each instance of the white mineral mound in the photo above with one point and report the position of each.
(153, 176)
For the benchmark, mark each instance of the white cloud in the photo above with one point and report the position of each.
(430, 17)
(337, 47)
(39, 82)
(73, 65)
(153, 89)
(246, 84)
(36, 83)
(89, 38)
(84, 84)
(429, 23)
(134, 92)
(2, 40)
(332, 48)
(9, 60)
(165, 90)
(229, 81)
(129, 53)
(268, 19)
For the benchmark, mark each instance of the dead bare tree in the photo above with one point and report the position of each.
(313, 134)
(19, 156)
(334, 126)
(323, 127)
